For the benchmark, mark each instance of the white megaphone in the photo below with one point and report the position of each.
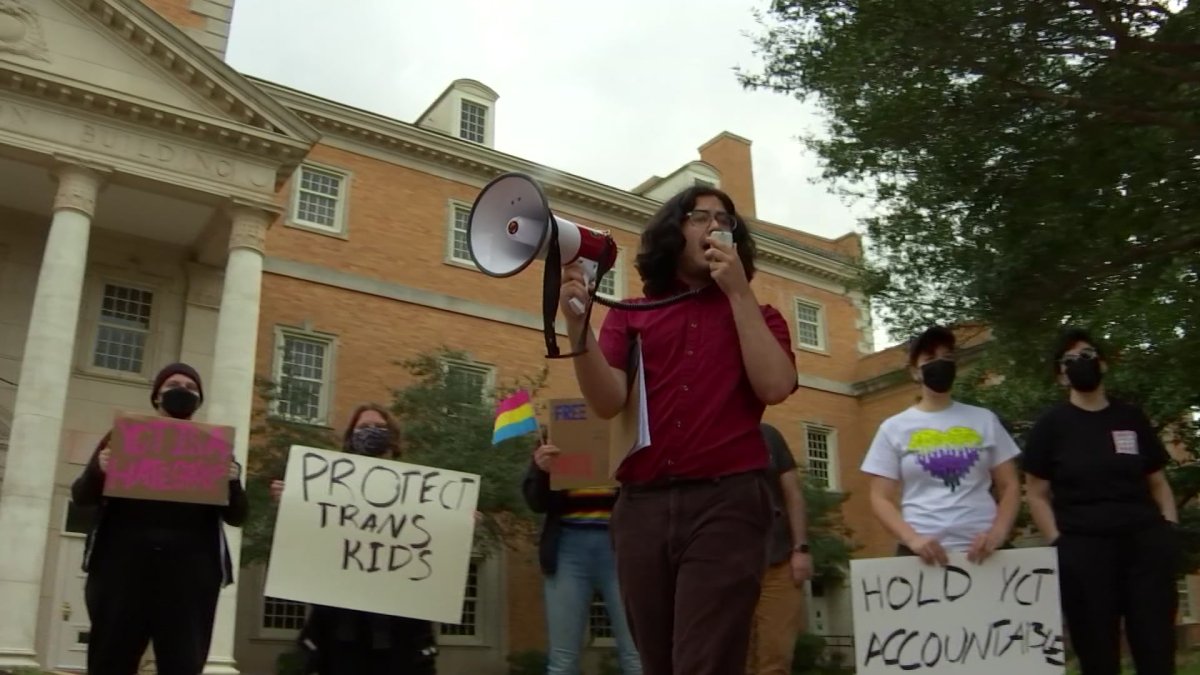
(510, 225)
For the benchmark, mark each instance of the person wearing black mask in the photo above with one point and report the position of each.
(338, 641)
(155, 568)
(934, 465)
(1097, 491)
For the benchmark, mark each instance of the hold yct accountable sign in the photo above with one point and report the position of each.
(998, 618)
(373, 535)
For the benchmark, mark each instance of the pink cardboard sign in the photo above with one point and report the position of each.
(165, 459)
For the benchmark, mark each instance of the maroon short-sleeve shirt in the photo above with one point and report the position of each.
(704, 414)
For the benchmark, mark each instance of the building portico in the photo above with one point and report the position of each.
(138, 177)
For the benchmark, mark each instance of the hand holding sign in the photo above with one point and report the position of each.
(929, 549)
(544, 457)
(103, 459)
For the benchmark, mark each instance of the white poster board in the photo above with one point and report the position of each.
(998, 618)
(373, 535)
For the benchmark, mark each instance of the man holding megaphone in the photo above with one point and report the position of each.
(690, 525)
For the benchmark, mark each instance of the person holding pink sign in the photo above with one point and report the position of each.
(155, 568)
(338, 641)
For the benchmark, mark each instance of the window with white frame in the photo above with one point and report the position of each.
(319, 199)
(468, 382)
(283, 615)
(818, 448)
(123, 328)
(599, 624)
(468, 625)
(302, 376)
(810, 324)
(610, 285)
(473, 123)
(460, 250)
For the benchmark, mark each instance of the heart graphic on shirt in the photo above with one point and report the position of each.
(946, 455)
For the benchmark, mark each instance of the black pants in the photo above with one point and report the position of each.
(138, 593)
(1108, 578)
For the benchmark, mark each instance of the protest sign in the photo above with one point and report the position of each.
(997, 618)
(165, 459)
(582, 436)
(373, 535)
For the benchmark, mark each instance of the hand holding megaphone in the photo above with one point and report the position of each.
(576, 290)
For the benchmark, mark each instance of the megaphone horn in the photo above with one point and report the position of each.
(510, 225)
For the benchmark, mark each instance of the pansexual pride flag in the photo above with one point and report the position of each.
(514, 417)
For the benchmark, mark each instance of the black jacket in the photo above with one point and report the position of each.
(552, 503)
(88, 491)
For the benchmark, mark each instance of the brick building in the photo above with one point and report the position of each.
(156, 205)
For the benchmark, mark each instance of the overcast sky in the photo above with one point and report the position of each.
(614, 91)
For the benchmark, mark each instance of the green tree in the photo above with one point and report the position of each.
(1032, 164)
(271, 437)
(447, 416)
(829, 539)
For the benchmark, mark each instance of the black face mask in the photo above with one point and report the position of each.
(939, 375)
(1084, 374)
(179, 403)
(371, 441)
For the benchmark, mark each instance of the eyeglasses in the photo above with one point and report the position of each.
(703, 217)
(1085, 354)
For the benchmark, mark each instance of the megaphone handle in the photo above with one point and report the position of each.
(589, 279)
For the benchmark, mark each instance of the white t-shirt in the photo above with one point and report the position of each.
(943, 461)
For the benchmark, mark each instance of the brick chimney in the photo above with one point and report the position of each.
(729, 154)
(205, 21)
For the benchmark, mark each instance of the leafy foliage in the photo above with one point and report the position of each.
(829, 539)
(271, 437)
(447, 420)
(1033, 164)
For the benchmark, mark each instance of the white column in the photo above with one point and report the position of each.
(231, 396)
(33, 450)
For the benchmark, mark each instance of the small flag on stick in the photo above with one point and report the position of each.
(514, 417)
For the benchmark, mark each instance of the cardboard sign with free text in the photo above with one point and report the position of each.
(583, 438)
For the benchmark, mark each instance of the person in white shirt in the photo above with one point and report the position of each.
(933, 466)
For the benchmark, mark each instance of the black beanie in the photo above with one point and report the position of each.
(175, 369)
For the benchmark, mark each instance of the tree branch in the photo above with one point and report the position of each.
(1120, 112)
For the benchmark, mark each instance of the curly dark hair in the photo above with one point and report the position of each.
(662, 240)
(392, 425)
(1068, 337)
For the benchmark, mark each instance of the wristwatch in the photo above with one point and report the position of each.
(800, 548)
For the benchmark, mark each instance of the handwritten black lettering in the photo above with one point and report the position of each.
(391, 480)
(416, 523)
(423, 558)
(426, 487)
(892, 584)
(951, 597)
(312, 466)
(915, 648)
(347, 515)
(341, 470)
(325, 506)
(868, 592)
(392, 565)
(350, 552)
(931, 661)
